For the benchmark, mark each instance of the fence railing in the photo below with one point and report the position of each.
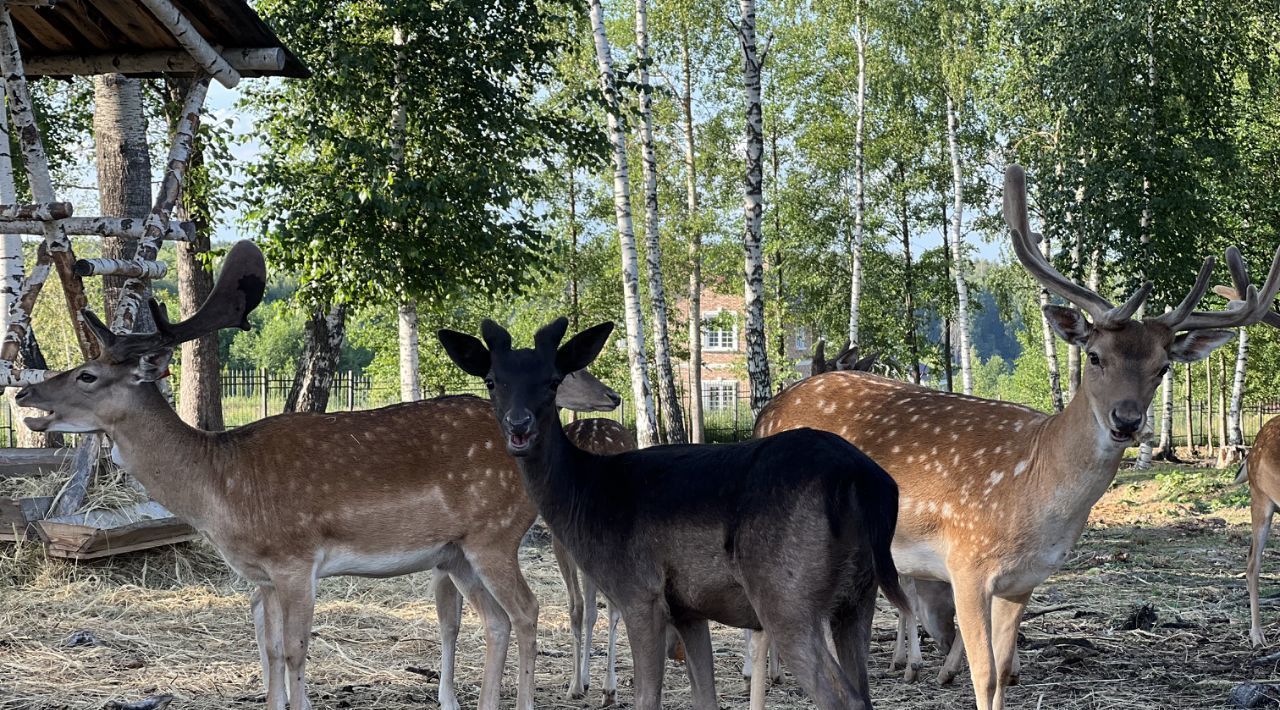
(250, 395)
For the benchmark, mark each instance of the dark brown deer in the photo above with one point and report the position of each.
(994, 494)
(685, 534)
(296, 497)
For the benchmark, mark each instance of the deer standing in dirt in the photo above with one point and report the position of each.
(685, 534)
(1262, 469)
(604, 437)
(296, 497)
(994, 494)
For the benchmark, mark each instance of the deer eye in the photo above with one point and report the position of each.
(1094, 359)
(488, 382)
(86, 377)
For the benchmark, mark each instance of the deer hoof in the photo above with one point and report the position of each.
(1256, 638)
(912, 673)
(608, 698)
(946, 676)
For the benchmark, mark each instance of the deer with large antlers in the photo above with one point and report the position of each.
(994, 494)
(296, 497)
(1261, 468)
(685, 534)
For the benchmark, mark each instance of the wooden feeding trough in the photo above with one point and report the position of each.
(222, 40)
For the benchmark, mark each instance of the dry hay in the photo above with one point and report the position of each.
(110, 488)
(176, 621)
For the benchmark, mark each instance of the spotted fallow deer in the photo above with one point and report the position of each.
(685, 534)
(296, 497)
(1262, 469)
(994, 494)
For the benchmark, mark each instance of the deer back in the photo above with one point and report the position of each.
(600, 436)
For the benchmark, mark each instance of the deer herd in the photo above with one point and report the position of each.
(954, 507)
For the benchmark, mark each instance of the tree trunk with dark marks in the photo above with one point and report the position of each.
(326, 329)
(753, 209)
(124, 167)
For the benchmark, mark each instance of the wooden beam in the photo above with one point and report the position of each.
(250, 59)
(122, 227)
(132, 268)
(191, 40)
(41, 211)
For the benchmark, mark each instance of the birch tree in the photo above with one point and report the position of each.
(671, 409)
(407, 308)
(1234, 450)
(693, 220)
(753, 207)
(326, 331)
(646, 426)
(1050, 341)
(859, 177)
(957, 252)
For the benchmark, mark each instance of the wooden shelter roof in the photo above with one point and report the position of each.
(85, 28)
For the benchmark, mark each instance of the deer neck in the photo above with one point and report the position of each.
(170, 458)
(1075, 458)
(552, 474)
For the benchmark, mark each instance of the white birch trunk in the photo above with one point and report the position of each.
(1050, 342)
(669, 398)
(1144, 238)
(753, 209)
(696, 423)
(1166, 418)
(1235, 433)
(407, 309)
(646, 427)
(407, 326)
(957, 250)
(859, 189)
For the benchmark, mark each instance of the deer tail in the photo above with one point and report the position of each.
(877, 495)
(1242, 474)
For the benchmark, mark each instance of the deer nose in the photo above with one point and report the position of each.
(519, 422)
(1127, 417)
(22, 393)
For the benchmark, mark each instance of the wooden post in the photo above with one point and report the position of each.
(351, 391)
(266, 388)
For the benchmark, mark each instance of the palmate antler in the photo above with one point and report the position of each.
(238, 291)
(1261, 307)
(1253, 307)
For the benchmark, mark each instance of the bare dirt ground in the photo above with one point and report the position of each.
(1164, 550)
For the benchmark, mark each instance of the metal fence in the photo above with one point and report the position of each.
(250, 395)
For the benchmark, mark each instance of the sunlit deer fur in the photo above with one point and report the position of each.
(296, 497)
(685, 534)
(994, 494)
(1262, 469)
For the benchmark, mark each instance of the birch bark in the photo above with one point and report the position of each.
(753, 209)
(646, 426)
(407, 310)
(1235, 433)
(957, 249)
(671, 410)
(326, 329)
(859, 188)
(1050, 342)
(696, 422)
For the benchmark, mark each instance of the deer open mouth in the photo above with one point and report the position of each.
(1121, 437)
(519, 444)
(38, 423)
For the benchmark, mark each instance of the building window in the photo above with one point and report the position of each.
(719, 395)
(802, 340)
(720, 331)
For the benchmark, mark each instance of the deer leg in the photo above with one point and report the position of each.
(973, 611)
(266, 624)
(1006, 616)
(578, 682)
(502, 578)
(802, 644)
(449, 616)
(611, 673)
(297, 595)
(646, 622)
(748, 668)
(955, 657)
(1262, 510)
(590, 613)
(758, 653)
(774, 663)
(899, 658)
(699, 663)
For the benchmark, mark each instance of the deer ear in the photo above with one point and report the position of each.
(1197, 344)
(466, 351)
(1069, 324)
(549, 336)
(582, 349)
(819, 359)
(152, 366)
(99, 329)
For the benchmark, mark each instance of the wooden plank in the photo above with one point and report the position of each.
(70, 538)
(137, 28)
(45, 34)
(53, 456)
(122, 549)
(18, 516)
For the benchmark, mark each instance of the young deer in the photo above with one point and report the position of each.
(685, 534)
(296, 497)
(1262, 469)
(993, 494)
(604, 437)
